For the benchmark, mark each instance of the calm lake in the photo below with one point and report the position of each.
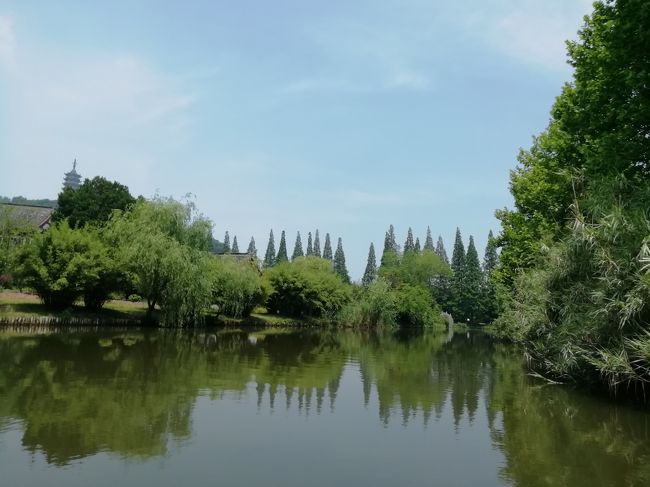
(275, 408)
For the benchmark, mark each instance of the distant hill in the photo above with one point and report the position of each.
(21, 200)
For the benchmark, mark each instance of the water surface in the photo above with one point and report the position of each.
(237, 408)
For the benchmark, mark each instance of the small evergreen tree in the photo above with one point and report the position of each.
(440, 250)
(282, 250)
(317, 244)
(339, 262)
(235, 245)
(428, 243)
(418, 249)
(458, 256)
(252, 251)
(327, 249)
(226, 243)
(297, 248)
(409, 245)
(269, 257)
(310, 246)
(370, 275)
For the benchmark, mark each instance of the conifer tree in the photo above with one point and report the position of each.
(226, 243)
(458, 256)
(417, 245)
(370, 275)
(440, 250)
(235, 245)
(297, 248)
(327, 248)
(317, 244)
(488, 294)
(269, 257)
(339, 262)
(456, 300)
(310, 246)
(389, 254)
(428, 243)
(252, 250)
(473, 283)
(282, 250)
(409, 245)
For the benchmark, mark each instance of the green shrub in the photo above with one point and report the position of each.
(238, 287)
(415, 307)
(373, 306)
(307, 286)
(63, 264)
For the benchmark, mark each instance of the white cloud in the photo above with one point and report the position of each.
(115, 113)
(533, 31)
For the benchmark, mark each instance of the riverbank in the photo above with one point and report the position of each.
(21, 308)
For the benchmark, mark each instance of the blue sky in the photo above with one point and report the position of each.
(345, 116)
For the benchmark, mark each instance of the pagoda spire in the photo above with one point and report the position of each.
(72, 179)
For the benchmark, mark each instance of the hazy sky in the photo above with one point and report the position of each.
(340, 115)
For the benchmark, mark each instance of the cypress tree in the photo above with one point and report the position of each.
(440, 250)
(226, 243)
(282, 250)
(417, 245)
(488, 294)
(327, 249)
(269, 257)
(389, 255)
(339, 262)
(409, 245)
(456, 300)
(428, 243)
(370, 275)
(235, 245)
(310, 246)
(317, 244)
(251, 248)
(458, 256)
(473, 280)
(297, 248)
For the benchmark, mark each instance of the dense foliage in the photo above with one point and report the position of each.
(306, 287)
(575, 273)
(92, 203)
(238, 287)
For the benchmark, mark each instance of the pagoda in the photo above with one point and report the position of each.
(72, 179)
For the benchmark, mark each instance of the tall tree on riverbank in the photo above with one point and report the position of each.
(310, 246)
(282, 250)
(440, 250)
(418, 248)
(339, 262)
(488, 291)
(327, 249)
(252, 250)
(269, 256)
(472, 284)
(458, 277)
(317, 244)
(297, 248)
(575, 249)
(428, 242)
(235, 245)
(370, 274)
(226, 243)
(409, 245)
(389, 255)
